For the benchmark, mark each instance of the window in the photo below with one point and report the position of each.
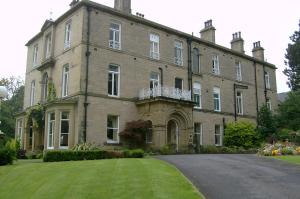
(218, 135)
(113, 81)
(35, 55)
(32, 93)
(115, 36)
(178, 53)
(178, 83)
(48, 46)
(64, 129)
(217, 99)
(45, 87)
(197, 94)
(20, 129)
(239, 103)
(267, 80)
(112, 129)
(196, 61)
(238, 68)
(30, 134)
(51, 128)
(268, 103)
(215, 65)
(154, 46)
(65, 81)
(198, 136)
(149, 135)
(154, 80)
(67, 35)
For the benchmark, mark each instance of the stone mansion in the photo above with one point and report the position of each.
(105, 67)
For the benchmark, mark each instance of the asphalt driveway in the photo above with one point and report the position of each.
(239, 176)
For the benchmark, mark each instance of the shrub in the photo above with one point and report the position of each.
(212, 149)
(84, 147)
(241, 134)
(136, 153)
(34, 155)
(276, 149)
(134, 134)
(6, 156)
(21, 154)
(70, 155)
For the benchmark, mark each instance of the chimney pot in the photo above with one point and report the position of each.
(258, 51)
(237, 43)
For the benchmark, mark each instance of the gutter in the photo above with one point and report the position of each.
(87, 54)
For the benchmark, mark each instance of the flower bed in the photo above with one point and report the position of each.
(280, 148)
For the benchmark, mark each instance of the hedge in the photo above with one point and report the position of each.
(69, 155)
(6, 156)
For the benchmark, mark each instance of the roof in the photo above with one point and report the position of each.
(154, 25)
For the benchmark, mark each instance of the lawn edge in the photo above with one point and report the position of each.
(188, 180)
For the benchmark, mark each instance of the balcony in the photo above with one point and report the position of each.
(167, 92)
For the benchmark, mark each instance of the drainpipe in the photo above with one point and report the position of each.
(256, 94)
(189, 42)
(234, 101)
(87, 54)
(265, 84)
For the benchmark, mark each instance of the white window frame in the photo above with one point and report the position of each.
(199, 133)
(269, 104)
(239, 103)
(154, 81)
(32, 93)
(216, 65)
(118, 130)
(220, 134)
(60, 133)
(48, 45)
(267, 80)
(35, 55)
(197, 91)
(113, 80)
(178, 57)
(52, 130)
(112, 42)
(65, 80)
(68, 35)
(238, 68)
(216, 90)
(154, 46)
(20, 131)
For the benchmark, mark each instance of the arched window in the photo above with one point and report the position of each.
(195, 61)
(44, 87)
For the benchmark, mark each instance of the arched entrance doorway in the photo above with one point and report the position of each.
(173, 134)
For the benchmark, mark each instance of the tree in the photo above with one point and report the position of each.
(14, 104)
(289, 112)
(266, 124)
(293, 61)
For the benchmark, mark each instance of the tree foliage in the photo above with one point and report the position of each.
(293, 61)
(12, 105)
(241, 134)
(266, 123)
(289, 112)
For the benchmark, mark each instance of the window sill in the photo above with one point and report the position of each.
(112, 142)
(114, 96)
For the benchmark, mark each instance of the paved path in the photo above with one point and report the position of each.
(239, 176)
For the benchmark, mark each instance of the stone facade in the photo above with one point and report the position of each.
(173, 119)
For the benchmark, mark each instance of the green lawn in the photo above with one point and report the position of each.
(103, 179)
(292, 159)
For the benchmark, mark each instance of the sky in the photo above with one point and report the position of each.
(271, 22)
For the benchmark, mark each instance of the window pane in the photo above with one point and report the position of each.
(110, 83)
(113, 68)
(116, 86)
(115, 26)
(64, 140)
(64, 127)
(178, 83)
(64, 115)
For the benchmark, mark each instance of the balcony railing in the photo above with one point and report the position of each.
(169, 92)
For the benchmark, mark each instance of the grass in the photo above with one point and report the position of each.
(102, 179)
(290, 159)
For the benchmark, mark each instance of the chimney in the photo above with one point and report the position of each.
(123, 6)
(208, 33)
(237, 43)
(73, 3)
(258, 51)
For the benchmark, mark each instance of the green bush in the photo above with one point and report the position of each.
(70, 155)
(212, 149)
(136, 153)
(241, 134)
(6, 156)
